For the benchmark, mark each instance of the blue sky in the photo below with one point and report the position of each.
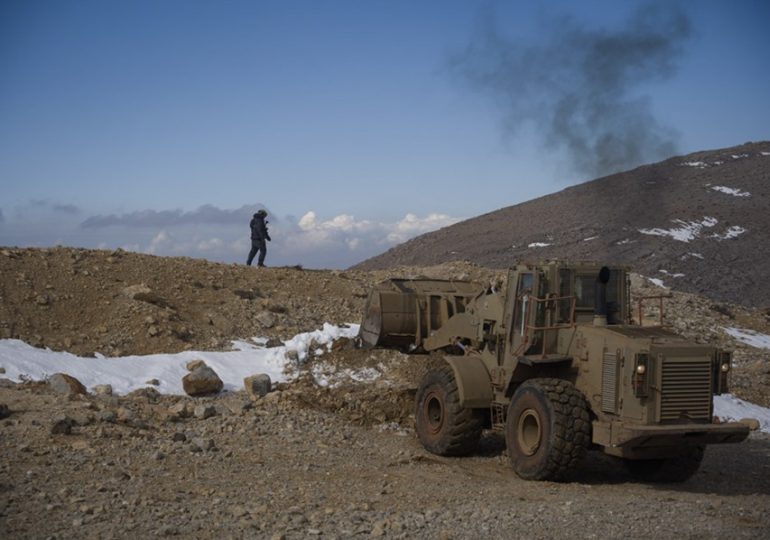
(357, 124)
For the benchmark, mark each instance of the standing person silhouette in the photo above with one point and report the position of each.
(259, 237)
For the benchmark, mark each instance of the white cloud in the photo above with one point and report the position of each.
(162, 242)
(210, 245)
(223, 235)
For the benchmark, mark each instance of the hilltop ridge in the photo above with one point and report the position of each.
(698, 223)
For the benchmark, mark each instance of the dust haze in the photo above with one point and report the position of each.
(582, 87)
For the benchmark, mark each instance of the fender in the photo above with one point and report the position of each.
(474, 385)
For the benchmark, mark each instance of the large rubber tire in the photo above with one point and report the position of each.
(443, 426)
(667, 470)
(548, 429)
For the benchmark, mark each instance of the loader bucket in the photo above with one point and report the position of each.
(400, 313)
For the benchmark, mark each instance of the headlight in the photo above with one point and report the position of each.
(640, 375)
(725, 367)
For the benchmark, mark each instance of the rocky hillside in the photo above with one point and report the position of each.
(699, 223)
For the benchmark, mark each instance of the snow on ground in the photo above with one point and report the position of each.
(128, 373)
(739, 156)
(688, 230)
(730, 408)
(735, 192)
(691, 254)
(732, 232)
(590, 238)
(666, 272)
(538, 244)
(700, 164)
(657, 282)
(750, 337)
(765, 153)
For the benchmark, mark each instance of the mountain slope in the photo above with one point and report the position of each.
(698, 222)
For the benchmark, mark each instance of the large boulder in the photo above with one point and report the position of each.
(202, 381)
(66, 384)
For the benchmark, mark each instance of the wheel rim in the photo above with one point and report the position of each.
(528, 433)
(433, 411)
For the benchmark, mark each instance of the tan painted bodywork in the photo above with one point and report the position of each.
(545, 324)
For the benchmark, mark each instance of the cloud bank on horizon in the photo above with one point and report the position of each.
(214, 233)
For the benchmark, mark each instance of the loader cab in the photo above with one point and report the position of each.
(544, 298)
(529, 309)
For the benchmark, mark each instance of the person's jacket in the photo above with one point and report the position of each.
(258, 228)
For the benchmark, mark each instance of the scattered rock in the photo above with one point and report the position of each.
(62, 426)
(154, 382)
(202, 444)
(202, 381)
(66, 384)
(133, 290)
(342, 344)
(257, 386)
(205, 411)
(125, 415)
(182, 409)
(103, 389)
(5, 412)
(266, 319)
(108, 416)
(273, 342)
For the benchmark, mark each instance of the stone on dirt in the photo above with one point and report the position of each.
(181, 409)
(62, 426)
(266, 319)
(257, 386)
(5, 412)
(66, 384)
(202, 381)
(205, 411)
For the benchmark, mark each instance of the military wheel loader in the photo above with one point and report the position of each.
(558, 364)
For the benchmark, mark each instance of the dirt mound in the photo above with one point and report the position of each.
(118, 303)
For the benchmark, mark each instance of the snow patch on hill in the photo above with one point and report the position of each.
(686, 232)
(732, 232)
(735, 192)
(750, 337)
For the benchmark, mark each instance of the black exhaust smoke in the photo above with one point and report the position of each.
(577, 85)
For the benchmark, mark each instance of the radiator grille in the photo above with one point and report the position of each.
(686, 389)
(610, 383)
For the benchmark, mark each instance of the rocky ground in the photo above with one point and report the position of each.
(305, 460)
(133, 467)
